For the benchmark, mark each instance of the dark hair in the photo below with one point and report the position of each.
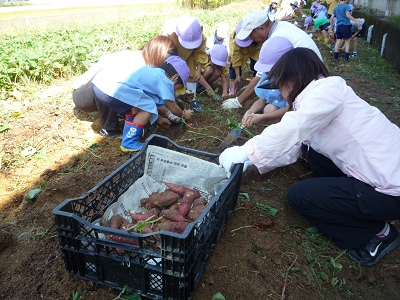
(170, 70)
(297, 68)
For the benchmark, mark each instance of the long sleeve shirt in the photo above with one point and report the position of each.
(336, 123)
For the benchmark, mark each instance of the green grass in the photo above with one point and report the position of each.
(36, 54)
(322, 263)
(395, 19)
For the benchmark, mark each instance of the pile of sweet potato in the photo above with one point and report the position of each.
(171, 210)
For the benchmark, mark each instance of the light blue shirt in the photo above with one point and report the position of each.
(340, 13)
(145, 87)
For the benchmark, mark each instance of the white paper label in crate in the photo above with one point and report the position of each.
(154, 261)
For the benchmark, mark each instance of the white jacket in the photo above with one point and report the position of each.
(338, 124)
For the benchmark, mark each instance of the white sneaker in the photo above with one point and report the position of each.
(231, 103)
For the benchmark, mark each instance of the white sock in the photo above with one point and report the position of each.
(385, 231)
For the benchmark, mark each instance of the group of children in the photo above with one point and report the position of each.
(190, 64)
(338, 24)
(355, 191)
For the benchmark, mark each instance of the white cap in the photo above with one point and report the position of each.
(222, 30)
(251, 21)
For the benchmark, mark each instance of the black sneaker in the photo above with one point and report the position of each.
(111, 133)
(372, 251)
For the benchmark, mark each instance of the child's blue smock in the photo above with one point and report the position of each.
(271, 96)
(145, 88)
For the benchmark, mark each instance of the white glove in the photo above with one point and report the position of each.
(170, 116)
(234, 155)
(231, 103)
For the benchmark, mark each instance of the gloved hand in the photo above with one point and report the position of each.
(231, 103)
(174, 119)
(234, 155)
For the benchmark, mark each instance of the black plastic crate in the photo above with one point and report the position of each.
(162, 265)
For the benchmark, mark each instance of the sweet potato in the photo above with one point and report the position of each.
(115, 221)
(175, 206)
(186, 203)
(125, 240)
(195, 212)
(143, 201)
(145, 215)
(163, 199)
(199, 201)
(177, 227)
(125, 224)
(173, 215)
(179, 189)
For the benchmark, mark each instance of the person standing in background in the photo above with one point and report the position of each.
(342, 12)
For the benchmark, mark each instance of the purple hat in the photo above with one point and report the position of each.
(242, 43)
(307, 21)
(271, 51)
(180, 66)
(219, 55)
(189, 32)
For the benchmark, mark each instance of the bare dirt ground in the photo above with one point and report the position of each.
(249, 262)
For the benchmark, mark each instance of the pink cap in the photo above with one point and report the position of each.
(219, 55)
(180, 67)
(189, 32)
(271, 51)
(242, 43)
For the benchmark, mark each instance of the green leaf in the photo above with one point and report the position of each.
(233, 124)
(324, 276)
(40, 155)
(33, 194)
(218, 296)
(4, 127)
(312, 230)
(335, 264)
(141, 227)
(77, 295)
(16, 115)
(273, 211)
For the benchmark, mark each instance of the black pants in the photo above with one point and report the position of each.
(345, 209)
(232, 74)
(85, 99)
